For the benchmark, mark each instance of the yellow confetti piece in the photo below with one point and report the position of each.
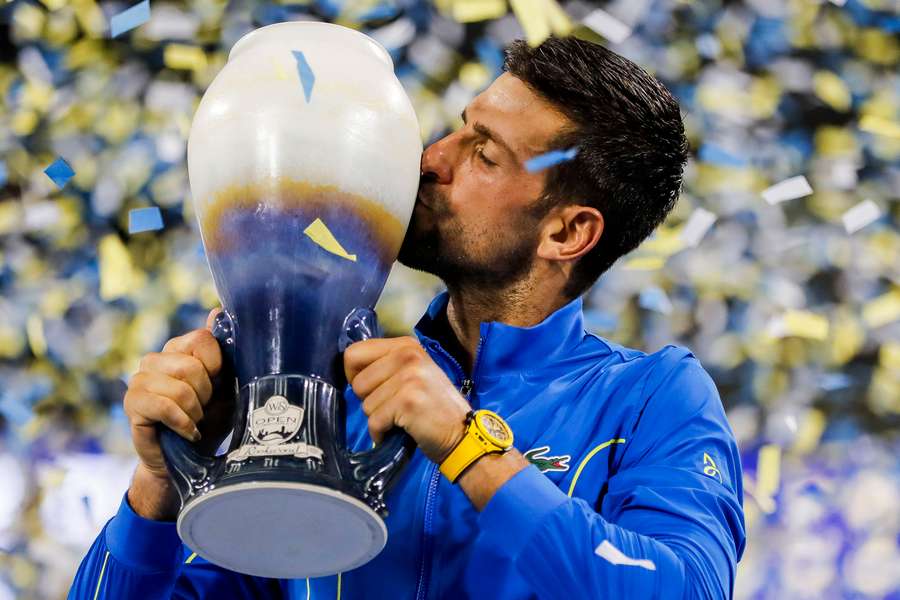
(11, 215)
(90, 17)
(666, 242)
(24, 122)
(880, 126)
(83, 52)
(54, 4)
(889, 356)
(320, 234)
(183, 56)
(810, 432)
(28, 20)
(280, 72)
(474, 75)
(644, 263)
(35, 330)
(768, 476)
(12, 342)
(540, 18)
(805, 324)
(882, 310)
(472, 11)
(117, 275)
(832, 90)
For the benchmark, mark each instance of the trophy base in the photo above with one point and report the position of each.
(282, 530)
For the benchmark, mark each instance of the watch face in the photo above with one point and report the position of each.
(494, 427)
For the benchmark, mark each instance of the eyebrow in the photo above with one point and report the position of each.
(485, 131)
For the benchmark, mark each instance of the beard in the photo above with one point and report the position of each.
(466, 255)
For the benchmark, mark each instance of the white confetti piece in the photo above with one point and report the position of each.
(608, 26)
(697, 225)
(864, 213)
(618, 558)
(789, 189)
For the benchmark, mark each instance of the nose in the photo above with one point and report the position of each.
(437, 161)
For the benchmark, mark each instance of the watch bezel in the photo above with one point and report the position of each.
(503, 444)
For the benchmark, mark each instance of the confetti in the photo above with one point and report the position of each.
(799, 323)
(655, 299)
(880, 126)
(307, 77)
(612, 554)
(318, 232)
(864, 213)
(697, 226)
(473, 11)
(549, 159)
(882, 310)
(130, 18)
(144, 219)
(118, 277)
(60, 172)
(768, 476)
(789, 189)
(184, 57)
(608, 26)
(540, 18)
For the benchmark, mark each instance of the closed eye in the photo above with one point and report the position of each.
(485, 159)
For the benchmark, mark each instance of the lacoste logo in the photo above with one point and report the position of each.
(537, 457)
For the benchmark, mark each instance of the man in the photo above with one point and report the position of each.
(624, 480)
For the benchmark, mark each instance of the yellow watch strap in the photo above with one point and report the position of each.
(465, 453)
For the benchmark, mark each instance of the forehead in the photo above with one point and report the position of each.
(523, 118)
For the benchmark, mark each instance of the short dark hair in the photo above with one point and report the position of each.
(632, 147)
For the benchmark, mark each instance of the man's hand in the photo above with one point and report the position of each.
(401, 385)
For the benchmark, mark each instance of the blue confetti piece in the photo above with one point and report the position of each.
(653, 298)
(144, 219)
(712, 153)
(60, 172)
(307, 78)
(130, 18)
(545, 161)
(4, 174)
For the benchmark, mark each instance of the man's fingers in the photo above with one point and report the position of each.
(374, 375)
(176, 391)
(150, 409)
(383, 393)
(200, 344)
(360, 355)
(183, 367)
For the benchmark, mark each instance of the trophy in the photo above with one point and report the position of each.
(303, 158)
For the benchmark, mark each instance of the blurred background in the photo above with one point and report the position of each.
(779, 268)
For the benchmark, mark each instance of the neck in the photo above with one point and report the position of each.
(519, 306)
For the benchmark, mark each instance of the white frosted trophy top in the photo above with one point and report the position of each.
(358, 131)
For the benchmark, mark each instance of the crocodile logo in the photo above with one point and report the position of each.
(538, 457)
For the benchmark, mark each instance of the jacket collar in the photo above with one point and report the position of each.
(505, 347)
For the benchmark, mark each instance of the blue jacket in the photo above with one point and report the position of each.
(634, 491)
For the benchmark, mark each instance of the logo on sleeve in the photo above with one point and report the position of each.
(710, 468)
(537, 457)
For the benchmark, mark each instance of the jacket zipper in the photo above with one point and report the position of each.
(466, 390)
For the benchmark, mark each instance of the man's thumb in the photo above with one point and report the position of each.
(211, 318)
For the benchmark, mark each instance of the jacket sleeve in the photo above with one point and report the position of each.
(134, 557)
(670, 523)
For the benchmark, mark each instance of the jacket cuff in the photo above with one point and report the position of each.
(143, 544)
(516, 510)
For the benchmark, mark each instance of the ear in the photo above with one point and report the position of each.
(568, 233)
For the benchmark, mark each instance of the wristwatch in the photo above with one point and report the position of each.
(486, 433)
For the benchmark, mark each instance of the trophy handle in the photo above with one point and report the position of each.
(190, 468)
(375, 469)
